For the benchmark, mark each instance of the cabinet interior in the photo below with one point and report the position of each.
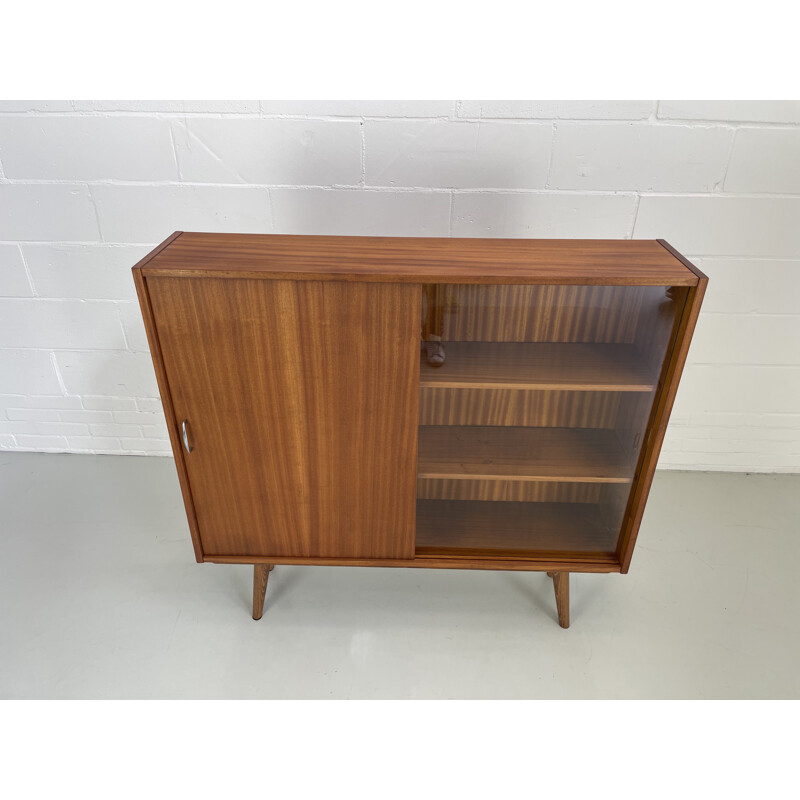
(532, 426)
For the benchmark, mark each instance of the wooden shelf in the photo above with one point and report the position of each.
(537, 365)
(474, 528)
(522, 454)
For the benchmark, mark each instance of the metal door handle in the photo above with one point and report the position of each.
(185, 434)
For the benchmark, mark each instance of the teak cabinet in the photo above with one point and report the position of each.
(413, 402)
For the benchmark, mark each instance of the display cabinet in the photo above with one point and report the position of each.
(414, 402)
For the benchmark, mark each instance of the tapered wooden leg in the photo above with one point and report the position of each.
(260, 578)
(561, 585)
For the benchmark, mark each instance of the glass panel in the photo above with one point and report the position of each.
(534, 405)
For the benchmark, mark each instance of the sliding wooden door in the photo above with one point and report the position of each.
(296, 402)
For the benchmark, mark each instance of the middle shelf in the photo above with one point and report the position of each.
(539, 365)
(522, 454)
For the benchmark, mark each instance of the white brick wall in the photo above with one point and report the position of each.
(639, 157)
(88, 187)
(764, 160)
(63, 148)
(360, 212)
(543, 215)
(250, 150)
(45, 212)
(444, 154)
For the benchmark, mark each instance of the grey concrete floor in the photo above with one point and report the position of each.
(101, 598)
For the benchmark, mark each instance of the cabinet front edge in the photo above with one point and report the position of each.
(598, 278)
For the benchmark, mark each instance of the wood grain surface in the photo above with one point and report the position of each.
(260, 580)
(166, 396)
(519, 407)
(296, 362)
(561, 587)
(302, 401)
(424, 260)
(522, 454)
(581, 562)
(503, 491)
(519, 313)
(477, 528)
(539, 365)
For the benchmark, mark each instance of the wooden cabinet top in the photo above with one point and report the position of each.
(605, 262)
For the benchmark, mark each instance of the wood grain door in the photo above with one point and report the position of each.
(300, 400)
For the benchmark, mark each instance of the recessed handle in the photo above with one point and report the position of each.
(185, 435)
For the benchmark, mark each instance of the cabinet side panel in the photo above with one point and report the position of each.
(301, 407)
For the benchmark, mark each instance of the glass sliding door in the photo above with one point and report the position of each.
(534, 402)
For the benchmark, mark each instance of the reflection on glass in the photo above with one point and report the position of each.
(534, 402)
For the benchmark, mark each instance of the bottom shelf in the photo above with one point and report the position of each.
(474, 528)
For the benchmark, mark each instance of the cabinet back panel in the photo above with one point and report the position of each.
(559, 409)
(534, 313)
(506, 491)
(301, 400)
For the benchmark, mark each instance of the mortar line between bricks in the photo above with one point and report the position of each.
(122, 326)
(636, 205)
(59, 377)
(721, 184)
(271, 203)
(715, 257)
(27, 269)
(75, 243)
(641, 122)
(175, 152)
(737, 365)
(778, 314)
(238, 115)
(699, 414)
(363, 139)
(755, 314)
(54, 350)
(450, 217)
(553, 135)
(735, 123)
(65, 299)
(265, 115)
(96, 211)
(398, 190)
